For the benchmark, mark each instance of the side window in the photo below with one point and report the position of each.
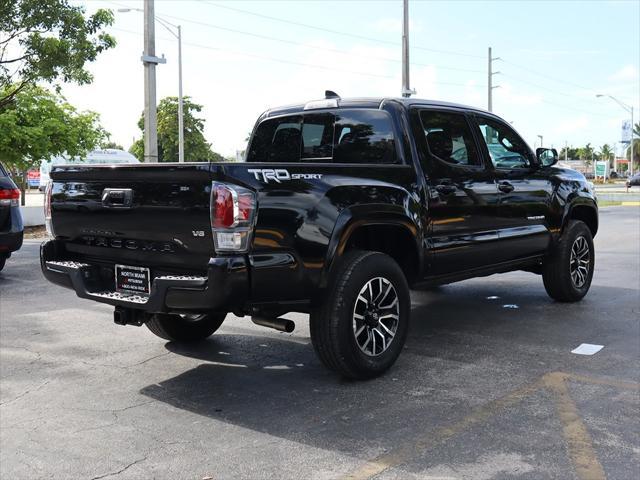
(364, 136)
(277, 140)
(317, 137)
(506, 149)
(449, 138)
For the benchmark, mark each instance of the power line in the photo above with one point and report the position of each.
(290, 62)
(335, 32)
(535, 72)
(537, 85)
(316, 47)
(361, 37)
(576, 109)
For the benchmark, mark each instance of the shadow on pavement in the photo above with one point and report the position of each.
(464, 349)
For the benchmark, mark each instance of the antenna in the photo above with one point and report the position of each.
(330, 94)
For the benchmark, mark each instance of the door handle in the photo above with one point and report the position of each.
(445, 188)
(505, 187)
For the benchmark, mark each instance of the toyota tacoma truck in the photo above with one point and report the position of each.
(342, 207)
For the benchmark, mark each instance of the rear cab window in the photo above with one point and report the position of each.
(363, 136)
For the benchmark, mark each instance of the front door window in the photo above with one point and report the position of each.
(506, 149)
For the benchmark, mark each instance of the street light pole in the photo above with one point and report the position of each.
(540, 137)
(628, 108)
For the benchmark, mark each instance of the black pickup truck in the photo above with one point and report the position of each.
(341, 207)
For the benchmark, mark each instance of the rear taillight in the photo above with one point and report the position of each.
(47, 209)
(9, 197)
(233, 210)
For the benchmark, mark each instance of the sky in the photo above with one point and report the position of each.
(243, 57)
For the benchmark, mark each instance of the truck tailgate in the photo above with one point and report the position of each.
(151, 215)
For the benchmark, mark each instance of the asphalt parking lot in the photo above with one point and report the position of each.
(483, 389)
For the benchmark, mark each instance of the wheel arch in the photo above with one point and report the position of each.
(586, 212)
(390, 232)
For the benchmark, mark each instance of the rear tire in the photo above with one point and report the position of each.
(179, 328)
(361, 326)
(568, 270)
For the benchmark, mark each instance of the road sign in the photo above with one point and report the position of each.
(602, 169)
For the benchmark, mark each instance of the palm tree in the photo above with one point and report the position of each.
(636, 151)
(636, 130)
(586, 154)
(606, 153)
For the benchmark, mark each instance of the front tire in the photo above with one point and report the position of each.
(568, 271)
(185, 328)
(362, 324)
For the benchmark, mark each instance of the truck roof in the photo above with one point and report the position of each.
(366, 102)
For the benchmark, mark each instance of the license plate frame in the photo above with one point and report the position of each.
(137, 280)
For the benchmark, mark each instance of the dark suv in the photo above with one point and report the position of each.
(342, 206)
(11, 230)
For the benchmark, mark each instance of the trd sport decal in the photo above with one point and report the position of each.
(279, 175)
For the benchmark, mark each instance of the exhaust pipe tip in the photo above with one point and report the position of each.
(280, 324)
(289, 326)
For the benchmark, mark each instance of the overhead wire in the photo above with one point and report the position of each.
(291, 62)
(373, 57)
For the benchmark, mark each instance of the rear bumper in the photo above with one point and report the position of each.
(224, 288)
(10, 242)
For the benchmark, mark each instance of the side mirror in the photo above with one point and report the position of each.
(547, 156)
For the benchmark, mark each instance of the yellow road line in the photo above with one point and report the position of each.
(631, 204)
(576, 435)
(579, 444)
(408, 451)
(621, 384)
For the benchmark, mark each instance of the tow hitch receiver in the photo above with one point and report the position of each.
(129, 316)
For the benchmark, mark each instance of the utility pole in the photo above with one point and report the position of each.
(150, 113)
(180, 102)
(631, 146)
(149, 59)
(406, 89)
(540, 137)
(566, 150)
(490, 74)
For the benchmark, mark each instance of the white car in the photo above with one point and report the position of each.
(106, 156)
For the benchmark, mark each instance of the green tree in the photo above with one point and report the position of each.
(587, 154)
(636, 130)
(571, 153)
(38, 125)
(196, 147)
(636, 153)
(48, 41)
(111, 144)
(606, 153)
